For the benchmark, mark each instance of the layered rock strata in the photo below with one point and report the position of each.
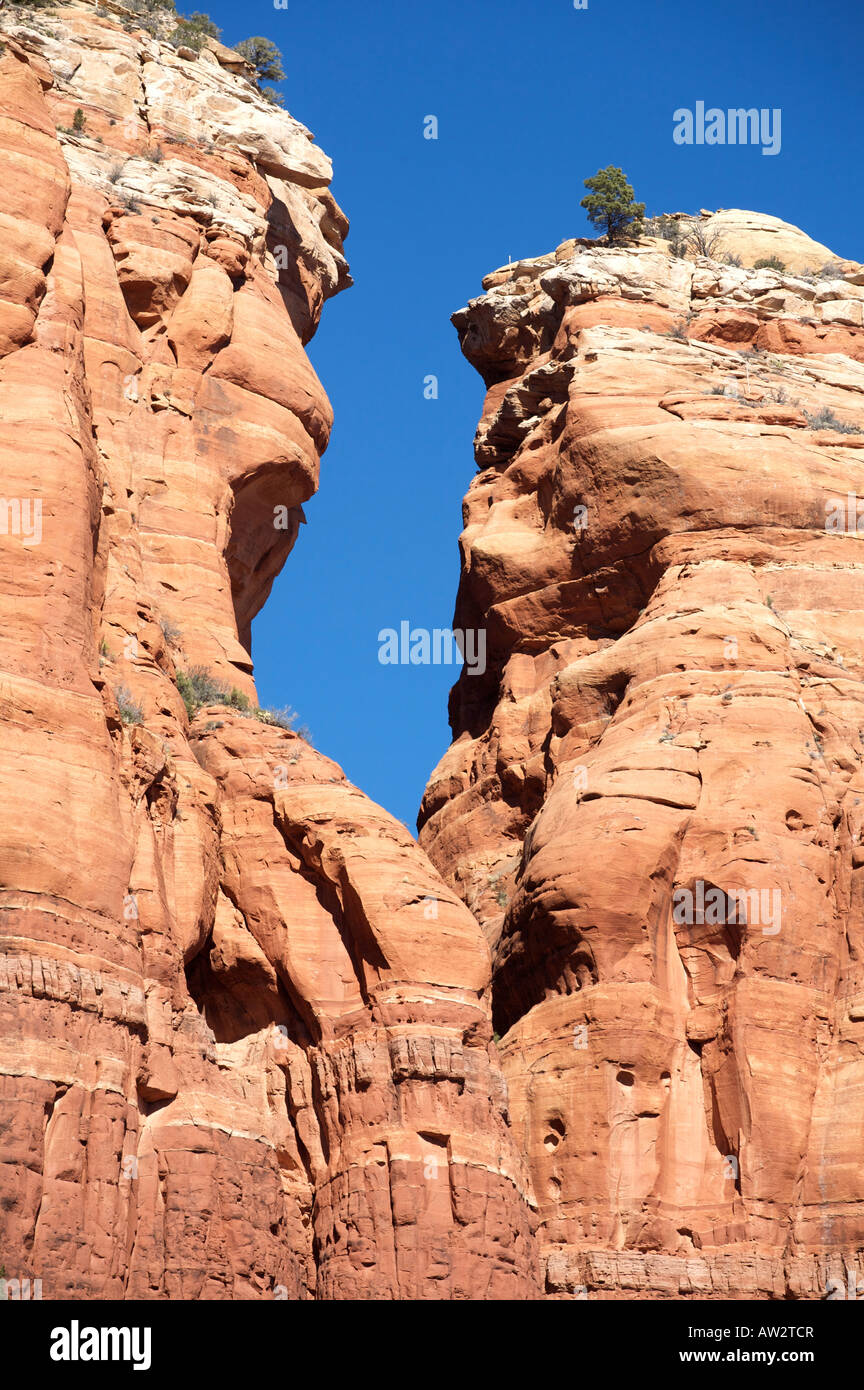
(245, 1036)
(654, 800)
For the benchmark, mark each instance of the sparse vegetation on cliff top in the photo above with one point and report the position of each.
(162, 19)
(199, 687)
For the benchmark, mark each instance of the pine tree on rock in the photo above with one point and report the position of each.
(610, 205)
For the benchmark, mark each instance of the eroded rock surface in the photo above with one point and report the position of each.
(654, 800)
(245, 1035)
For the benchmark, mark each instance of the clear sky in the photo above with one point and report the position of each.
(531, 99)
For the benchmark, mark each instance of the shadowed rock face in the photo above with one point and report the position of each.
(245, 1030)
(654, 800)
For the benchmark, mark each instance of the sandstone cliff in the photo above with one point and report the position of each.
(246, 1027)
(245, 1036)
(654, 801)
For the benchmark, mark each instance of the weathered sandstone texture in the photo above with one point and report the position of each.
(753, 236)
(245, 1029)
(663, 545)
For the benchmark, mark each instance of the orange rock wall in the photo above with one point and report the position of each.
(246, 1027)
(673, 708)
(245, 1030)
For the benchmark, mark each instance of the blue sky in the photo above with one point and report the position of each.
(531, 99)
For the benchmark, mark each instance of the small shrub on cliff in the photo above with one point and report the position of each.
(264, 57)
(150, 6)
(280, 718)
(198, 687)
(769, 263)
(825, 419)
(157, 17)
(610, 206)
(170, 631)
(79, 120)
(130, 711)
(669, 229)
(192, 30)
(702, 242)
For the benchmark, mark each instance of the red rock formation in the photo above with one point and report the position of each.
(654, 800)
(246, 1040)
(245, 1036)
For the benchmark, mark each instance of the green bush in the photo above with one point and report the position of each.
(79, 120)
(198, 686)
(769, 263)
(192, 30)
(264, 57)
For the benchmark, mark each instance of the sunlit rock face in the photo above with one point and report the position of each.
(654, 797)
(245, 1027)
